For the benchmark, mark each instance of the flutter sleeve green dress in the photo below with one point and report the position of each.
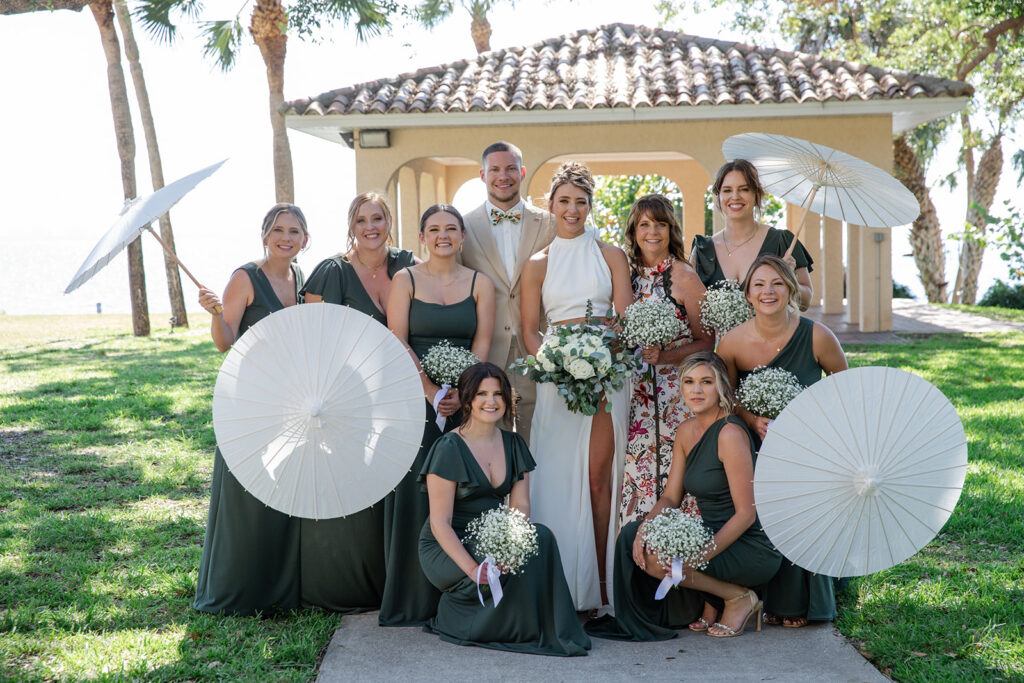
(776, 242)
(342, 560)
(336, 280)
(409, 599)
(536, 614)
(250, 560)
(793, 591)
(749, 561)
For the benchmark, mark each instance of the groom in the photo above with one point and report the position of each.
(502, 234)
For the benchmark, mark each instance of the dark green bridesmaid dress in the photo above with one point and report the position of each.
(793, 591)
(749, 561)
(776, 242)
(250, 559)
(536, 614)
(409, 598)
(342, 560)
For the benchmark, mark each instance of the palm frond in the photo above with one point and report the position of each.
(430, 13)
(157, 16)
(223, 38)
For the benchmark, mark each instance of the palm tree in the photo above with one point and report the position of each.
(179, 318)
(103, 12)
(269, 25)
(430, 13)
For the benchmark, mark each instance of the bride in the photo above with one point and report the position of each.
(578, 456)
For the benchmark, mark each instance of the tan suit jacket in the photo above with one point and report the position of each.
(480, 252)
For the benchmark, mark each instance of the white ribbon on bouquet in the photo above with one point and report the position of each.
(670, 580)
(493, 580)
(438, 397)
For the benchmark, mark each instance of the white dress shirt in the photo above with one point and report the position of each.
(507, 235)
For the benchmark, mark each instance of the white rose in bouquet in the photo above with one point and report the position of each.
(546, 362)
(580, 369)
(603, 360)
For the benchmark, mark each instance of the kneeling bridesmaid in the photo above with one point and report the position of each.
(471, 470)
(714, 460)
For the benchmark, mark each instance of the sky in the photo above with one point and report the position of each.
(60, 181)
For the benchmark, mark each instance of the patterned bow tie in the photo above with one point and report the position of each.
(512, 217)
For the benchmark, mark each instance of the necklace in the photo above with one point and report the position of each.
(773, 341)
(726, 241)
(373, 271)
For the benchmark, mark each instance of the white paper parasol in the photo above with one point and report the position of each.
(318, 410)
(136, 216)
(860, 471)
(825, 180)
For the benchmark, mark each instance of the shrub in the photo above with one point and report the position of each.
(1004, 295)
(901, 291)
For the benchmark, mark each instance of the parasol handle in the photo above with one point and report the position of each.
(170, 252)
(803, 220)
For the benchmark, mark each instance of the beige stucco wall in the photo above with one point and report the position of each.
(411, 173)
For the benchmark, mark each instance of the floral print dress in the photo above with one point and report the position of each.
(656, 410)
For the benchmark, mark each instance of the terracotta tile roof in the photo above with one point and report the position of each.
(624, 66)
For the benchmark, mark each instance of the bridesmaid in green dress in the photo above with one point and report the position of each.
(342, 560)
(778, 336)
(714, 460)
(471, 470)
(250, 559)
(727, 254)
(430, 302)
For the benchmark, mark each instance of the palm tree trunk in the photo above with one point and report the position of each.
(926, 232)
(979, 201)
(125, 136)
(267, 29)
(480, 29)
(179, 318)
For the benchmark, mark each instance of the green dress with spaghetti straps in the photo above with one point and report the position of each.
(536, 614)
(335, 279)
(796, 592)
(250, 560)
(343, 559)
(776, 242)
(409, 598)
(749, 561)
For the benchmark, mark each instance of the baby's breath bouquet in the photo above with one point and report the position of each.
(443, 363)
(651, 322)
(673, 533)
(678, 540)
(766, 391)
(579, 359)
(504, 536)
(724, 307)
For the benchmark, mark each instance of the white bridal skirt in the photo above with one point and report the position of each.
(560, 488)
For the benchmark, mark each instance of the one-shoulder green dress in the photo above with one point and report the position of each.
(343, 559)
(749, 561)
(536, 614)
(796, 592)
(409, 598)
(776, 242)
(251, 559)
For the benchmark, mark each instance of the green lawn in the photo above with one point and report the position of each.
(1011, 315)
(106, 450)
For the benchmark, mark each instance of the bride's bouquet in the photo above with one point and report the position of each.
(578, 358)
(724, 307)
(651, 322)
(767, 391)
(507, 539)
(678, 540)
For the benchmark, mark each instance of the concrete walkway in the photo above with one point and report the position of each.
(362, 651)
(911, 317)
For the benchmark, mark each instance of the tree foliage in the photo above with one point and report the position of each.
(430, 13)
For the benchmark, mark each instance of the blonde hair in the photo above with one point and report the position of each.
(271, 218)
(785, 272)
(576, 174)
(365, 198)
(726, 396)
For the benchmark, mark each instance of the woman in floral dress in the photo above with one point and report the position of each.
(654, 245)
